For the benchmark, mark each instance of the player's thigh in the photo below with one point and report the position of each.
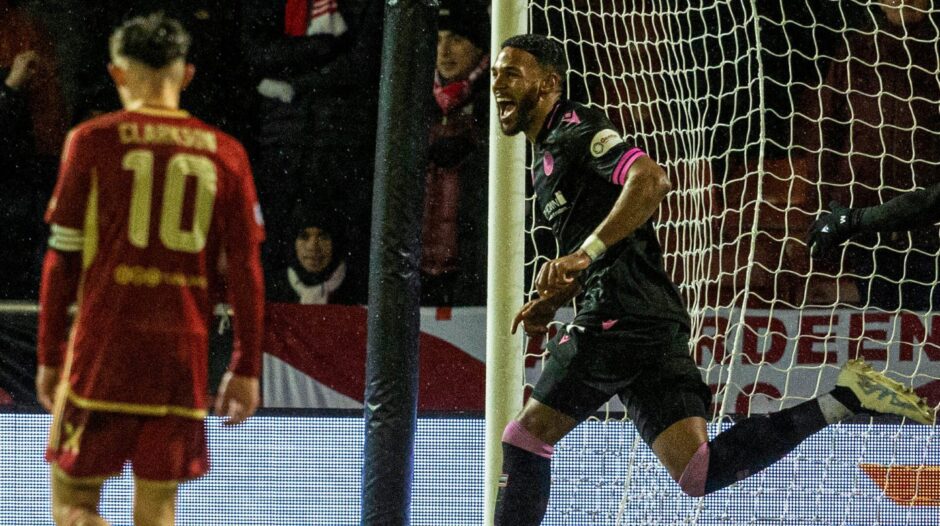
(171, 449)
(154, 502)
(545, 423)
(74, 500)
(570, 387)
(668, 403)
(675, 446)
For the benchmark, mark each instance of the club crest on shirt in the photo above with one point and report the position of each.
(603, 141)
(548, 163)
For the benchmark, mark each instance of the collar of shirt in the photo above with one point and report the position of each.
(549, 122)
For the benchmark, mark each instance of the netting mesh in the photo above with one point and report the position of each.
(762, 113)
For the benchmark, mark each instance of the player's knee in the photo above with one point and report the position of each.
(154, 502)
(517, 435)
(71, 515)
(147, 518)
(545, 423)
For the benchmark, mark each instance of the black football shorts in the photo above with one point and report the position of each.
(647, 363)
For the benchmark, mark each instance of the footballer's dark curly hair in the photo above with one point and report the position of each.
(547, 52)
(155, 40)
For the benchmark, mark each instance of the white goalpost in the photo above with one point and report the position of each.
(761, 112)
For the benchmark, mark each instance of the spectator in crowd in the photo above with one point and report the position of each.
(32, 127)
(879, 140)
(17, 161)
(318, 268)
(23, 33)
(16, 125)
(316, 64)
(453, 261)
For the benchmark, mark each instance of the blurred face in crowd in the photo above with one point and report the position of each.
(519, 82)
(457, 56)
(314, 249)
(905, 12)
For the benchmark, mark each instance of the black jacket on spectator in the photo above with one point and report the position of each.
(20, 202)
(322, 142)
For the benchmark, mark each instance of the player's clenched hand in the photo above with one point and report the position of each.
(238, 398)
(831, 229)
(47, 379)
(560, 273)
(534, 317)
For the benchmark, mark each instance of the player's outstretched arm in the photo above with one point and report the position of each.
(904, 212)
(60, 276)
(831, 229)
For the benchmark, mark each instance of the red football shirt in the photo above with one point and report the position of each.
(159, 202)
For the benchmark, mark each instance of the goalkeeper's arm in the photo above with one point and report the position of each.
(904, 212)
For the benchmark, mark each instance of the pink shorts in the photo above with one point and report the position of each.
(93, 444)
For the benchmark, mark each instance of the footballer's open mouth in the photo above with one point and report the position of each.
(506, 107)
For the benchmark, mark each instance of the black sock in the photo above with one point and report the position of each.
(757, 442)
(846, 397)
(523, 488)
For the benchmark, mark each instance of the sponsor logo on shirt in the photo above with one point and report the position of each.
(556, 206)
(603, 141)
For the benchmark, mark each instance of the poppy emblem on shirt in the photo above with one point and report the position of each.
(548, 163)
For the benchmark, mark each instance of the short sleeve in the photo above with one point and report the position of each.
(69, 199)
(605, 153)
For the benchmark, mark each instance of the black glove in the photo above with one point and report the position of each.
(831, 229)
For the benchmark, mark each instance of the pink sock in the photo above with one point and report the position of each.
(693, 477)
(520, 437)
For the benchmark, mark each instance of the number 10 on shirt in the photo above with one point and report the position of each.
(178, 169)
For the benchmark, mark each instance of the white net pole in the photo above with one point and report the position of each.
(505, 267)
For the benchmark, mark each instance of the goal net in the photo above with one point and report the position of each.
(762, 113)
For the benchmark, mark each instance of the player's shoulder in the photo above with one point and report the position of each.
(577, 120)
(227, 144)
(578, 126)
(582, 114)
(99, 124)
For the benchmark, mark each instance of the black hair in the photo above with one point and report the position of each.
(547, 52)
(467, 18)
(155, 40)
